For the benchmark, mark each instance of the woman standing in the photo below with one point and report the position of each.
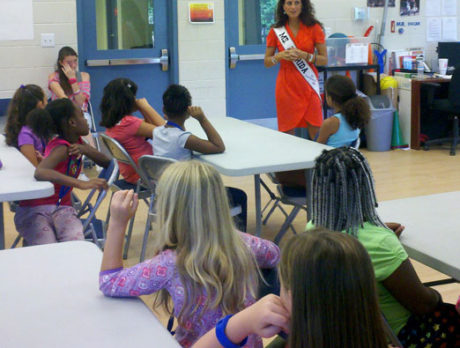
(299, 39)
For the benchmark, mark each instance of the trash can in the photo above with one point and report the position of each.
(379, 129)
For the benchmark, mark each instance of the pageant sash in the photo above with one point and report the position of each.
(302, 66)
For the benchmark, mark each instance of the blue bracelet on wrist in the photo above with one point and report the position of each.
(222, 337)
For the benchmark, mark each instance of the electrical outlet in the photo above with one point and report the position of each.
(47, 40)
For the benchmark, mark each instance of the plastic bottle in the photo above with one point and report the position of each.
(420, 68)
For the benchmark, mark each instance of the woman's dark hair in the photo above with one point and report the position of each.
(307, 15)
(342, 91)
(333, 290)
(24, 100)
(53, 119)
(118, 101)
(63, 80)
(176, 100)
(343, 193)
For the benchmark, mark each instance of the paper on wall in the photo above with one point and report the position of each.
(449, 29)
(433, 29)
(356, 53)
(449, 7)
(432, 8)
(16, 20)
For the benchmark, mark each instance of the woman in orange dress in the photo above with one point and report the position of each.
(297, 103)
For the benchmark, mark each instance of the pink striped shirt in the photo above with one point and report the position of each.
(85, 88)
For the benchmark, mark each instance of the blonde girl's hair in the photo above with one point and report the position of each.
(334, 293)
(212, 259)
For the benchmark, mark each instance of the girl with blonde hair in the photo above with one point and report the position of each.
(201, 262)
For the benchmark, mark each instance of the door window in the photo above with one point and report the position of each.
(124, 24)
(255, 20)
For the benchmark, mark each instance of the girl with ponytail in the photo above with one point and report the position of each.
(352, 113)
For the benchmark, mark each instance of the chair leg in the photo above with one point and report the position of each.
(147, 229)
(286, 224)
(455, 137)
(16, 242)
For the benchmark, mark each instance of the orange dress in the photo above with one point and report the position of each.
(297, 104)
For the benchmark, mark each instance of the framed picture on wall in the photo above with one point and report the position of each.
(409, 8)
(380, 3)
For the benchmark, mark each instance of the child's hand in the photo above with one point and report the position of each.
(98, 183)
(68, 71)
(396, 227)
(196, 112)
(39, 156)
(77, 149)
(265, 318)
(123, 206)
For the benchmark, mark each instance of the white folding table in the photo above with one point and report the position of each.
(17, 181)
(49, 297)
(253, 150)
(432, 234)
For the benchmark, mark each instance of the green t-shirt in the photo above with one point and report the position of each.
(387, 254)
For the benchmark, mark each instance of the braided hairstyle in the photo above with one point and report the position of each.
(343, 191)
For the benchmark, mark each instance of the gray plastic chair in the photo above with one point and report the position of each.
(151, 167)
(141, 187)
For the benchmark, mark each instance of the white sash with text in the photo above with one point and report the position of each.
(302, 66)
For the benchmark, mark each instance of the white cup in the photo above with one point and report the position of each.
(443, 65)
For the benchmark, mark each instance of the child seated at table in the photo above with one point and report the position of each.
(172, 140)
(323, 303)
(53, 219)
(118, 104)
(344, 201)
(351, 114)
(20, 119)
(201, 262)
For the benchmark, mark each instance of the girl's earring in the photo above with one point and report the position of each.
(284, 12)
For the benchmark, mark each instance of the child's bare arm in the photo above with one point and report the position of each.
(329, 127)
(122, 208)
(45, 172)
(89, 151)
(150, 114)
(29, 152)
(214, 143)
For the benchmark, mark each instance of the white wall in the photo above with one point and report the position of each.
(23, 62)
(202, 59)
(201, 47)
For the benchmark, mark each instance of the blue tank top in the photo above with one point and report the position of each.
(344, 135)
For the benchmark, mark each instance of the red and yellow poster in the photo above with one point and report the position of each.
(201, 12)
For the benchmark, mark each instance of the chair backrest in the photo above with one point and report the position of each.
(118, 151)
(153, 166)
(454, 87)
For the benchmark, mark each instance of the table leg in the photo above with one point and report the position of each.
(308, 175)
(2, 228)
(258, 205)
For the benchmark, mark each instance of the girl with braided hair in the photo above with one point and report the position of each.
(344, 200)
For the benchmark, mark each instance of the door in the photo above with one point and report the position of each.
(128, 38)
(250, 86)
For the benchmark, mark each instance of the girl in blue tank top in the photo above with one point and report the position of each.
(351, 113)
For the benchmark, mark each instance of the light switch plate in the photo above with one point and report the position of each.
(360, 13)
(47, 40)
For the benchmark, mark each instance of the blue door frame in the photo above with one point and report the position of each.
(250, 86)
(150, 79)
